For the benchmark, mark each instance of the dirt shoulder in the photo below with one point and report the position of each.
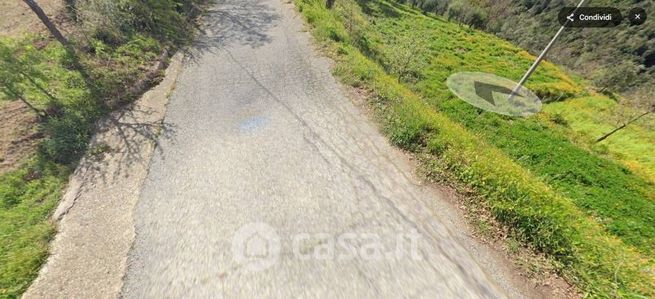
(18, 132)
(18, 135)
(17, 19)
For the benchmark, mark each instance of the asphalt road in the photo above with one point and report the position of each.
(272, 183)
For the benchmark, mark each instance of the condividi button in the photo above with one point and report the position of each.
(590, 17)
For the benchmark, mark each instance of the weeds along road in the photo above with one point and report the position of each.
(272, 183)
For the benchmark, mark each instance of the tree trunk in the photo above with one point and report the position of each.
(329, 3)
(623, 126)
(46, 21)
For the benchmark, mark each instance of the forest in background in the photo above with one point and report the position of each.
(619, 59)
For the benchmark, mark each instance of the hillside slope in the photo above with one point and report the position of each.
(589, 213)
(594, 52)
(622, 201)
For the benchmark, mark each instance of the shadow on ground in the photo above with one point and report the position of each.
(234, 22)
(123, 135)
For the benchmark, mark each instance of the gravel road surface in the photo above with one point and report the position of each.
(272, 183)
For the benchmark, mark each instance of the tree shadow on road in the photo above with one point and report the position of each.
(236, 22)
(124, 136)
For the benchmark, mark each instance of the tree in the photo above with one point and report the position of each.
(640, 105)
(617, 78)
(477, 18)
(329, 3)
(46, 21)
(456, 11)
(75, 59)
(467, 13)
(407, 58)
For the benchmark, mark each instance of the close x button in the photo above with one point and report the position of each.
(590, 17)
(637, 16)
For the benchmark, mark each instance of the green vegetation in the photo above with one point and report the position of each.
(28, 198)
(590, 215)
(618, 58)
(71, 90)
(623, 202)
(592, 117)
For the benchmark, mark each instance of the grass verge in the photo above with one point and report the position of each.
(597, 261)
(594, 116)
(621, 201)
(29, 194)
(71, 91)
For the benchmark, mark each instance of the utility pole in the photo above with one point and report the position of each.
(542, 55)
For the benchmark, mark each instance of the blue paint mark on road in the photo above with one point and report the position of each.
(253, 123)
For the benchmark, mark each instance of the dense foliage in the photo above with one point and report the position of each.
(618, 59)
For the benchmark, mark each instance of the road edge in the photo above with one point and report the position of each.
(490, 252)
(95, 231)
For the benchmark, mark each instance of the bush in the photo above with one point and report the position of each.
(67, 138)
(476, 17)
(617, 78)
(114, 22)
(463, 12)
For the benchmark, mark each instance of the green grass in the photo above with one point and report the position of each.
(623, 202)
(503, 159)
(110, 66)
(29, 195)
(27, 200)
(592, 117)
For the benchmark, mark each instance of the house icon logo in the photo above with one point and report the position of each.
(256, 247)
